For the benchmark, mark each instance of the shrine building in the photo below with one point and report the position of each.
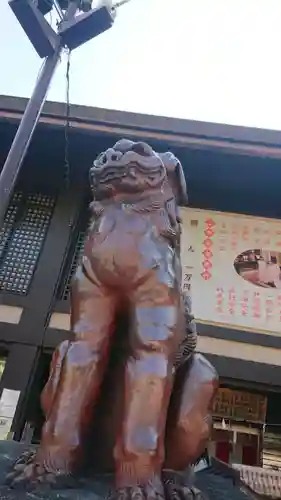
(231, 255)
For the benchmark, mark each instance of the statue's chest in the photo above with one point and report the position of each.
(124, 241)
(122, 221)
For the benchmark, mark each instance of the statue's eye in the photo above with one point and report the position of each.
(101, 159)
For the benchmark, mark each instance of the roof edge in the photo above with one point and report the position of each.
(243, 140)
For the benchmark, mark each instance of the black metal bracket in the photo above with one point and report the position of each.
(71, 33)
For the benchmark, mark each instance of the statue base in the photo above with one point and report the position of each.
(177, 486)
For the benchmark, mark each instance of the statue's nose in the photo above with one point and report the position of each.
(109, 156)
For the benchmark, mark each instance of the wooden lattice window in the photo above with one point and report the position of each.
(22, 238)
(77, 256)
(9, 222)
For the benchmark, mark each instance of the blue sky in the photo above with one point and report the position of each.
(210, 60)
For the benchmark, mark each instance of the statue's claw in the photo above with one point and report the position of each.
(180, 492)
(179, 486)
(22, 466)
(25, 458)
(152, 490)
(26, 474)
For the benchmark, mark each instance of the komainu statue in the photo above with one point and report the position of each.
(127, 394)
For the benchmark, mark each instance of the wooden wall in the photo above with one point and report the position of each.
(36, 321)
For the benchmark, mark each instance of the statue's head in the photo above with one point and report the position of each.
(127, 167)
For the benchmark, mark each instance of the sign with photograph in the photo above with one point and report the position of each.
(232, 269)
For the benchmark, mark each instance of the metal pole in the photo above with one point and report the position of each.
(11, 168)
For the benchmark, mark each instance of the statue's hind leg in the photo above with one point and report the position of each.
(189, 424)
(70, 406)
(189, 420)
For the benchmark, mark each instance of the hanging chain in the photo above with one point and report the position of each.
(67, 123)
(67, 114)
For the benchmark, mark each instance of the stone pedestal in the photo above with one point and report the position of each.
(10, 450)
(91, 489)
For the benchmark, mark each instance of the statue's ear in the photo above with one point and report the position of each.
(181, 185)
(175, 173)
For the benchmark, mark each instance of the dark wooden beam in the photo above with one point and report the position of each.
(47, 277)
(14, 300)
(233, 369)
(11, 333)
(53, 337)
(62, 306)
(237, 335)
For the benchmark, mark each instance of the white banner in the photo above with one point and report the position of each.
(231, 266)
(5, 427)
(8, 405)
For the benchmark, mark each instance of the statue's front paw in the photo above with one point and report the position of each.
(179, 486)
(26, 474)
(25, 458)
(180, 492)
(152, 490)
(22, 464)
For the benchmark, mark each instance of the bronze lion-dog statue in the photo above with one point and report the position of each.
(134, 399)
